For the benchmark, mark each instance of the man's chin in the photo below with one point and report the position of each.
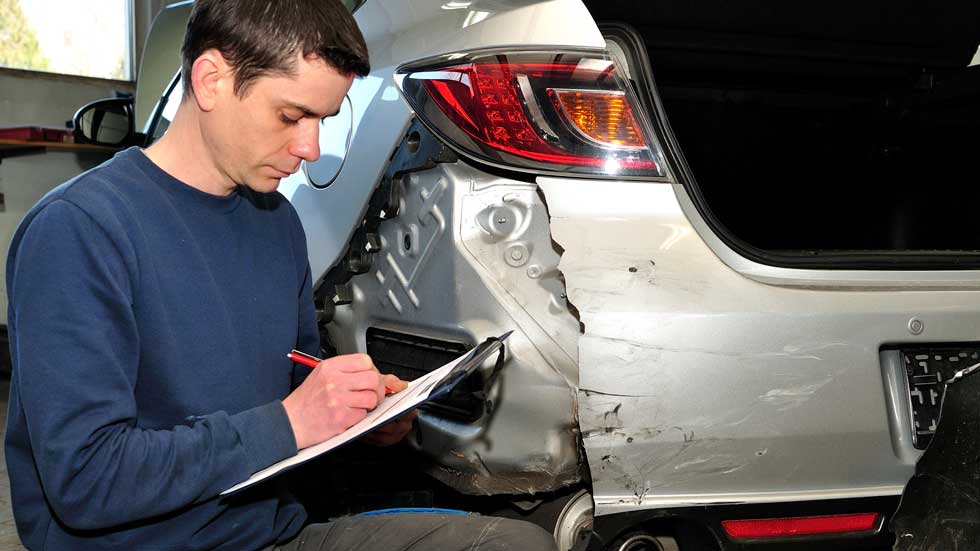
(263, 184)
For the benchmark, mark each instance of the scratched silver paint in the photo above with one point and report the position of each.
(699, 384)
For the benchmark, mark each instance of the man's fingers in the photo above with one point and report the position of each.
(382, 441)
(364, 399)
(394, 383)
(399, 426)
(406, 419)
(353, 417)
(395, 427)
(362, 380)
(353, 363)
(393, 432)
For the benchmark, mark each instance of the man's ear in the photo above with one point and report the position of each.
(212, 78)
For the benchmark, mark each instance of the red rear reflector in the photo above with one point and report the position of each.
(800, 526)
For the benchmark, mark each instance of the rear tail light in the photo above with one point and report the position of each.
(800, 526)
(552, 112)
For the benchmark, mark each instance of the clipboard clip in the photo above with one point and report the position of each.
(492, 377)
(966, 371)
(472, 361)
(469, 364)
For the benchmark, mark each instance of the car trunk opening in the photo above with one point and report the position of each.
(822, 127)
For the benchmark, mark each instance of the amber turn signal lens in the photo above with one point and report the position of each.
(604, 117)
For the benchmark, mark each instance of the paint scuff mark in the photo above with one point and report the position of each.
(611, 420)
(801, 354)
(791, 397)
(691, 463)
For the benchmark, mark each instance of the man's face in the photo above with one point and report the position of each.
(262, 137)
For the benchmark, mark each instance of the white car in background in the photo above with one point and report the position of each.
(736, 243)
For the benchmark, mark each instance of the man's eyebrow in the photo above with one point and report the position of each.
(308, 112)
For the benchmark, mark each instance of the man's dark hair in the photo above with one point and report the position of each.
(261, 37)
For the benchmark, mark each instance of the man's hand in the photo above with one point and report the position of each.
(336, 395)
(395, 431)
(392, 433)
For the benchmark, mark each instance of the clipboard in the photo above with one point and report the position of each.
(428, 387)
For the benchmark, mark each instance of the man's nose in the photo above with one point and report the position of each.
(306, 144)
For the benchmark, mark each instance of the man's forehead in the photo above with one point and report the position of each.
(320, 97)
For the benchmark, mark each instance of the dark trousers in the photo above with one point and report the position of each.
(420, 532)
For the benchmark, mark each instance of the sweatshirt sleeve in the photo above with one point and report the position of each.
(76, 345)
(308, 332)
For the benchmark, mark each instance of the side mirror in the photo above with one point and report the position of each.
(109, 122)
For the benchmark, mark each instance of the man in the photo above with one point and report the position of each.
(153, 299)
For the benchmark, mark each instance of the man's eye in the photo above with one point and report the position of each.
(287, 120)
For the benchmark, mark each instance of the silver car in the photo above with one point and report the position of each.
(736, 244)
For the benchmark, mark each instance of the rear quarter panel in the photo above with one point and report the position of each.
(700, 385)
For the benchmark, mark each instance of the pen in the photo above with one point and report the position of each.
(312, 361)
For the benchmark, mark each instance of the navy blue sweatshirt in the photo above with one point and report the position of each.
(149, 324)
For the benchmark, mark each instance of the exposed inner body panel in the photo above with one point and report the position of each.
(467, 255)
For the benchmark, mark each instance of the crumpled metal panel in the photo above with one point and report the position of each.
(470, 256)
(699, 385)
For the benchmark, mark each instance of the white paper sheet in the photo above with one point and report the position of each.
(392, 406)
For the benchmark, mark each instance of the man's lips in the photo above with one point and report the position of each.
(282, 173)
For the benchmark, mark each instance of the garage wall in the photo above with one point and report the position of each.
(37, 99)
(29, 99)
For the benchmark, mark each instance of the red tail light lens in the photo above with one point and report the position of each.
(800, 526)
(568, 113)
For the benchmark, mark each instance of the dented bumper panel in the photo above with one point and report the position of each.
(699, 385)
